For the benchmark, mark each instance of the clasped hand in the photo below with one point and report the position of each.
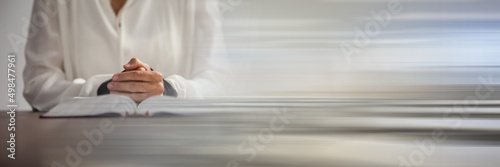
(138, 81)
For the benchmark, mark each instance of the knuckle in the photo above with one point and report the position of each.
(159, 87)
(114, 86)
(135, 74)
(157, 75)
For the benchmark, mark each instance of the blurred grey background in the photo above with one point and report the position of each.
(431, 49)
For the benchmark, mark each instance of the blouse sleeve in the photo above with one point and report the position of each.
(44, 75)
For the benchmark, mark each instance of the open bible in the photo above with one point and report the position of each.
(117, 105)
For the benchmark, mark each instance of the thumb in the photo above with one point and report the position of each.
(131, 65)
(135, 64)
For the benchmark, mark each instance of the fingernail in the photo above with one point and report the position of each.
(110, 86)
(115, 78)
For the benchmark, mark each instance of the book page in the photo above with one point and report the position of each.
(168, 106)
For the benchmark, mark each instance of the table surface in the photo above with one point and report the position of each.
(301, 136)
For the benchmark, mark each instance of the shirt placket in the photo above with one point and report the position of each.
(118, 27)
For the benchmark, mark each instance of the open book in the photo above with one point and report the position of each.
(117, 105)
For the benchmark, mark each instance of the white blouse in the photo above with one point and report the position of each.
(73, 44)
